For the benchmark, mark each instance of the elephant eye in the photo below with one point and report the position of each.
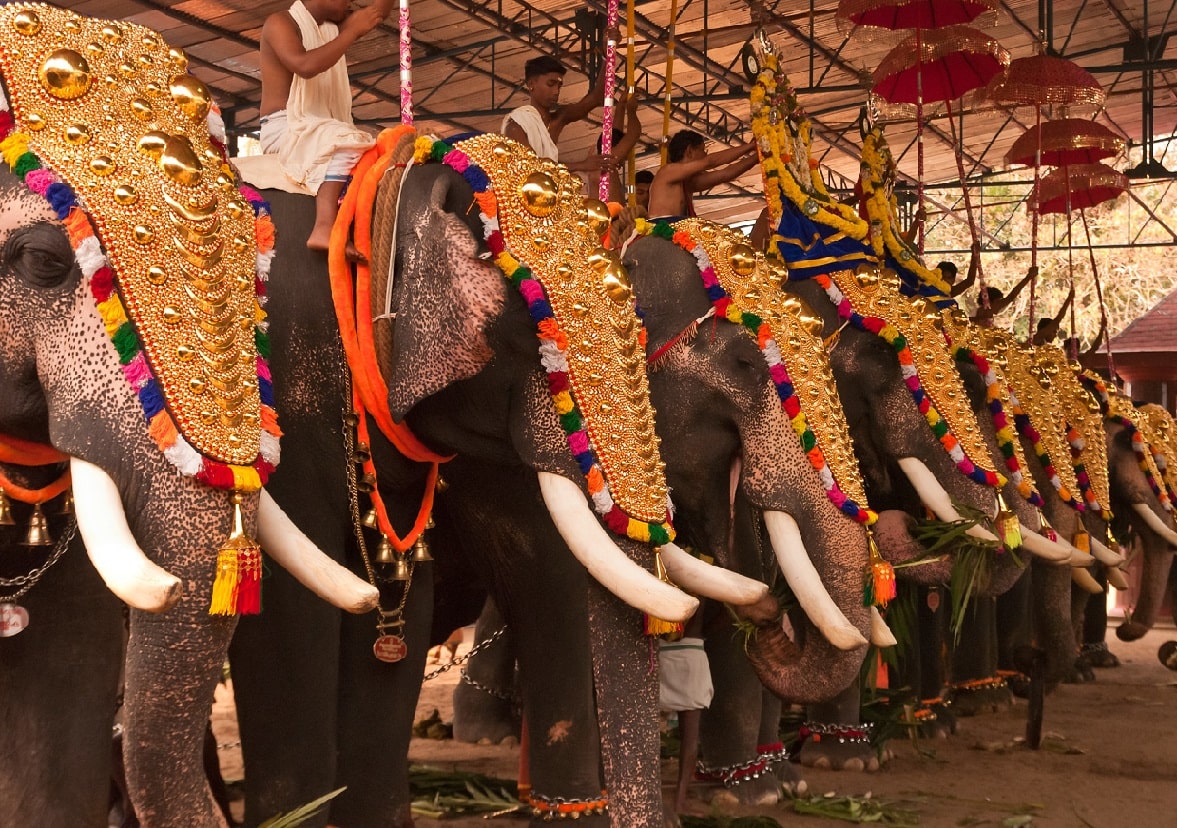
(40, 254)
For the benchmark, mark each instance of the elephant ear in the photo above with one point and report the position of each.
(447, 292)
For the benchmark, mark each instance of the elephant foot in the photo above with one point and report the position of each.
(839, 747)
(1081, 671)
(1168, 654)
(754, 782)
(978, 696)
(791, 780)
(482, 717)
(1099, 656)
(935, 719)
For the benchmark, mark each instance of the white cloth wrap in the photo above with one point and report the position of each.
(684, 675)
(532, 123)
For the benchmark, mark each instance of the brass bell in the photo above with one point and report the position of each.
(401, 571)
(429, 524)
(441, 484)
(67, 504)
(384, 552)
(370, 521)
(420, 552)
(38, 532)
(6, 518)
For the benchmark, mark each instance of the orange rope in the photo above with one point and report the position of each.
(369, 391)
(366, 374)
(24, 453)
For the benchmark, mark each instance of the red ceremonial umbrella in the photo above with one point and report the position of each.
(1038, 81)
(913, 14)
(940, 66)
(1064, 143)
(1080, 186)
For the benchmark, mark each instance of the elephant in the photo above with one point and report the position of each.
(512, 512)
(154, 535)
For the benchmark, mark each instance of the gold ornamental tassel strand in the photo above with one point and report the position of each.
(237, 589)
(1006, 522)
(656, 626)
(880, 586)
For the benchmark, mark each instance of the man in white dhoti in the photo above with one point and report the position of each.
(306, 99)
(539, 122)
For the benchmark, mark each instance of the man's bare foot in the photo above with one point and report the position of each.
(322, 243)
(320, 238)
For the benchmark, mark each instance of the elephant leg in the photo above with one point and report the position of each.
(1053, 631)
(59, 682)
(626, 677)
(375, 714)
(838, 739)
(484, 708)
(1093, 625)
(1016, 617)
(285, 665)
(768, 742)
(976, 687)
(731, 726)
(173, 663)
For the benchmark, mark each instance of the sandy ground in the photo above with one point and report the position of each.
(1105, 762)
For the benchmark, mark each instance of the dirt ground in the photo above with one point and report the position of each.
(1105, 761)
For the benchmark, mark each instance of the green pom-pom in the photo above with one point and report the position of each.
(808, 440)
(126, 342)
(261, 341)
(940, 428)
(26, 164)
(899, 343)
(571, 422)
(663, 230)
(1007, 450)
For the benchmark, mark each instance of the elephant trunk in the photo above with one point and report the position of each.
(1158, 558)
(607, 564)
(827, 653)
(112, 548)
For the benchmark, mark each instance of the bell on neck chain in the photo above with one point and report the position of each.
(384, 553)
(67, 503)
(6, 518)
(401, 570)
(38, 532)
(420, 550)
(370, 520)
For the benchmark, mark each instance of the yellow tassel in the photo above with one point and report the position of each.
(880, 585)
(1008, 528)
(237, 587)
(672, 630)
(1082, 541)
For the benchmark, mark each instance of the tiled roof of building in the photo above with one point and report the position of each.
(1156, 331)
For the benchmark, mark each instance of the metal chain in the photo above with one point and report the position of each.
(353, 500)
(477, 648)
(27, 582)
(501, 695)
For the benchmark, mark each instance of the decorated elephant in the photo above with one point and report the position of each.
(128, 313)
(458, 360)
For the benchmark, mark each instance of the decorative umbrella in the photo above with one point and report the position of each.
(939, 66)
(913, 14)
(1080, 186)
(1064, 143)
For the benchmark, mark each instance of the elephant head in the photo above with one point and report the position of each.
(724, 425)
(127, 329)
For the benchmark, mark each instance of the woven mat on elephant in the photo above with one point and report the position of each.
(383, 244)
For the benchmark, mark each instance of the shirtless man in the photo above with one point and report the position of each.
(539, 122)
(692, 169)
(306, 98)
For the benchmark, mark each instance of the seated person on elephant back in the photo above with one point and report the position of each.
(691, 170)
(306, 99)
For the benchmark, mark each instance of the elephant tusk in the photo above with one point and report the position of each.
(294, 552)
(1115, 577)
(933, 495)
(1153, 522)
(880, 633)
(604, 561)
(701, 578)
(111, 546)
(806, 584)
(1105, 555)
(1048, 550)
(1082, 579)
